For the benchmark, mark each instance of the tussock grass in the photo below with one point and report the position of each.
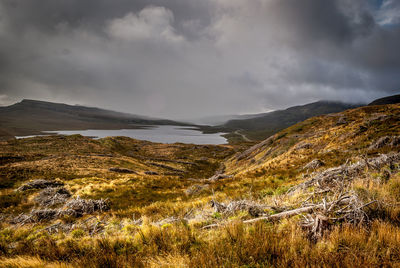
(262, 244)
(154, 221)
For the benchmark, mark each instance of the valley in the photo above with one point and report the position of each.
(218, 133)
(322, 188)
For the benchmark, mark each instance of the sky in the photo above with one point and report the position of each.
(190, 58)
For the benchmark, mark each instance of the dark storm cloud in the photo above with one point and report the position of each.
(48, 15)
(182, 58)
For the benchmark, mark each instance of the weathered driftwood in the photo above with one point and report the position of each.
(335, 176)
(321, 216)
(36, 215)
(314, 164)
(53, 196)
(218, 177)
(284, 214)
(78, 206)
(253, 208)
(40, 184)
(391, 141)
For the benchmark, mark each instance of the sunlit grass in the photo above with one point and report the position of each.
(137, 232)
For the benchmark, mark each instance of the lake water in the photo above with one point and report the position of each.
(162, 134)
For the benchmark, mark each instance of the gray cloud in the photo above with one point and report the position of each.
(182, 58)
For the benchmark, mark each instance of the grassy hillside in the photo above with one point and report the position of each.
(265, 125)
(30, 117)
(331, 138)
(324, 192)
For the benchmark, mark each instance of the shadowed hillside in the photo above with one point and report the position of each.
(30, 117)
(265, 125)
(387, 100)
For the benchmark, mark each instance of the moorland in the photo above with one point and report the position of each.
(322, 192)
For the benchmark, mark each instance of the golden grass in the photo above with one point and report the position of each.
(30, 262)
(280, 245)
(83, 165)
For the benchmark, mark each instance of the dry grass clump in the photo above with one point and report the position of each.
(196, 189)
(31, 262)
(281, 244)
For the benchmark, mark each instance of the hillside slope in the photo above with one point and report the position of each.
(265, 125)
(386, 100)
(30, 117)
(332, 138)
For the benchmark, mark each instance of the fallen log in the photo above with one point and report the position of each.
(285, 214)
(277, 216)
(342, 200)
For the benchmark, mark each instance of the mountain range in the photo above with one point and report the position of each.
(30, 117)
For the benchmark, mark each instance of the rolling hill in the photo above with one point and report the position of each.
(30, 117)
(386, 100)
(265, 125)
(331, 138)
